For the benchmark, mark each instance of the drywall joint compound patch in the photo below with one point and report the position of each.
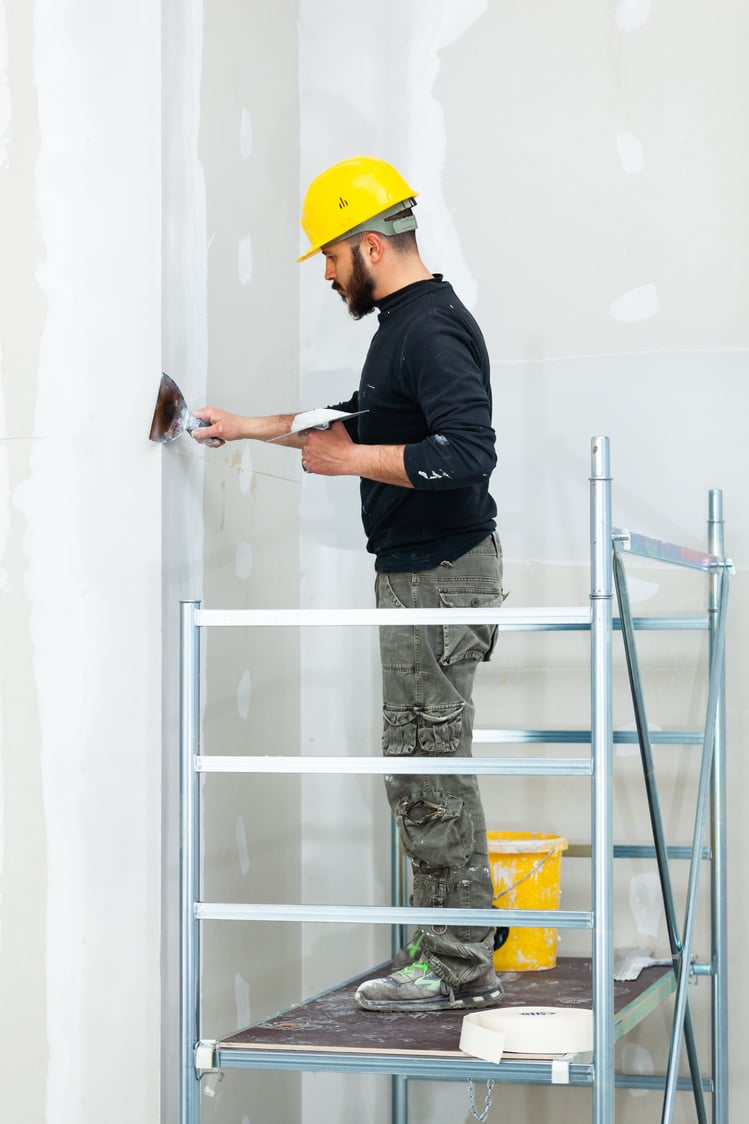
(637, 304)
(631, 15)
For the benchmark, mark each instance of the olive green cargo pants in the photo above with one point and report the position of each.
(427, 686)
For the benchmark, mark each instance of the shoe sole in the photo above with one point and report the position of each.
(486, 997)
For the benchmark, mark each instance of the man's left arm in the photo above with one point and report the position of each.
(459, 447)
(331, 452)
(449, 379)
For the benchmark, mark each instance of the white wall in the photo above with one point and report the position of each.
(80, 691)
(582, 173)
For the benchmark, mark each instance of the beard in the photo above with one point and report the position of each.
(360, 290)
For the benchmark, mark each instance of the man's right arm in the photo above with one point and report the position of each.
(234, 427)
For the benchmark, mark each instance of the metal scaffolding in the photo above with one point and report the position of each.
(608, 549)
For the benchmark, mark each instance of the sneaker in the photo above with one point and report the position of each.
(410, 954)
(418, 988)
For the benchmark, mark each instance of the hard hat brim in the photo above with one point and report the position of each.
(309, 253)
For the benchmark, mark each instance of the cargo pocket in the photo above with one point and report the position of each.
(468, 642)
(435, 829)
(434, 731)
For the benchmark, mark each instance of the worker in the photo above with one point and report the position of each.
(424, 449)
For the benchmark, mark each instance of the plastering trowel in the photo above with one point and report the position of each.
(171, 418)
(321, 418)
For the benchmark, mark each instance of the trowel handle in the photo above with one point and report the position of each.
(198, 423)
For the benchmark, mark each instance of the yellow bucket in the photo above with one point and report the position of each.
(526, 868)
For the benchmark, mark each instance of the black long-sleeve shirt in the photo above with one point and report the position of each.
(425, 384)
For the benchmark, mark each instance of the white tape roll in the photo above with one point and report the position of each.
(527, 1030)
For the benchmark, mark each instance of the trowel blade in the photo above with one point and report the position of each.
(171, 414)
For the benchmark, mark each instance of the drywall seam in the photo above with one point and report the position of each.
(441, 26)
(540, 361)
(4, 475)
(185, 355)
(4, 90)
(21, 315)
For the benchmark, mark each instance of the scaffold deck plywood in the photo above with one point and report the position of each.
(332, 1022)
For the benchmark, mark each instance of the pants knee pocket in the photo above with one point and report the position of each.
(432, 730)
(435, 829)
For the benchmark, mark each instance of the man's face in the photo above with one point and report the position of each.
(347, 271)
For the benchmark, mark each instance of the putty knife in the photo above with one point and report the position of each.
(629, 962)
(171, 418)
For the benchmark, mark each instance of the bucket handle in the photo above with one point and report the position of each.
(533, 870)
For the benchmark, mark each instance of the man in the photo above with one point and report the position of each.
(423, 446)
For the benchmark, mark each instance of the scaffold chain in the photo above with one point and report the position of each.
(481, 1116)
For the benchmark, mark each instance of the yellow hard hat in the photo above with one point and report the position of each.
(355, 195)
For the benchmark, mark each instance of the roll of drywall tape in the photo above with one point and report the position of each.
(526, 1030)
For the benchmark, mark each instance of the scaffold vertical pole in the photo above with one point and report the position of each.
(718, 889)
(189, 739)
(399, 936)
(601, 595)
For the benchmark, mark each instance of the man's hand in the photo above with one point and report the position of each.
(331, 452)
(223, 425)
(328, 452)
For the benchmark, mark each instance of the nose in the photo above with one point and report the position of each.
(329, 270)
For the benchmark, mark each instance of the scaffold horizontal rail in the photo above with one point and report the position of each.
(636, 851)
(406, 1065)
(425, 1068)
(553, 619)
(665, 624)
(657, 549)
(508, 620)
(478, 766)
(389, 915)
(583, 737)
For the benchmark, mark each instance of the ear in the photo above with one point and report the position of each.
(372, 247)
